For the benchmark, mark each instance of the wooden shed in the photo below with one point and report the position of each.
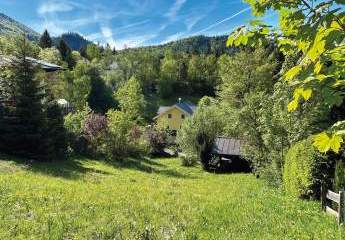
(228, 153)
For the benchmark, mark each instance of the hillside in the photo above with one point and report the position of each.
(148, 199)
(191, 45)
(10, 26)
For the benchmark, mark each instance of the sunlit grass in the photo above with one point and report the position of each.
(148, 199)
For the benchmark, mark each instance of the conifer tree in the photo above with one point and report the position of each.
(45, 40)
(55, 134)
(23, 126)
(66, 53)
(64, 49)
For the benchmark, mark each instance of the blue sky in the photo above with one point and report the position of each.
(132, 22)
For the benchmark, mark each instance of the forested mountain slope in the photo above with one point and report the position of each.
(10, 26)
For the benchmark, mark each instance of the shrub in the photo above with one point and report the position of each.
(74, 124)
(95, 130)
(304, 170)
(125, 138)
(158, 140)
(189, 160)
(198, 132)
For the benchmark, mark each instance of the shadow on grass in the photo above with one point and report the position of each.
(146, 165)
(73, 168)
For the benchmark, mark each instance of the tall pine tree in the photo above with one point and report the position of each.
(45, 40)
(24, 124)
(66, 53)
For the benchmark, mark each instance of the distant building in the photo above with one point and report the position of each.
(48, 67)
(173, 116)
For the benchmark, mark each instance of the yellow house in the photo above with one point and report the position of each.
(173, 116)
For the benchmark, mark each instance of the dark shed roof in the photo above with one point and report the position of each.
(227, 146)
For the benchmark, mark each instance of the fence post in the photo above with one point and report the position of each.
(323, 196)
(341, 207)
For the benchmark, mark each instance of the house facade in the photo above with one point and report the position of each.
(173, 116)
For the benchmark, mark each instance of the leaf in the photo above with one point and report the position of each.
(307, 94)
(293, 72)
(341, 132)
(293, 105)
(318, 67)
(335, 143)
(322, 142)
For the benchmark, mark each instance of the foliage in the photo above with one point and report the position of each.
(317, 31)
(29, 118)
(45, 40)
(79, 83)
(23, 128)
(100, 98)
(131, 99)
(339, 176)
(74, 124)
(189, 160)
(51, 55)
(121, 140)
(66, 53)
(305, 169)
(93, 52)
(198, 132)
(55, 133)
(247, 82)
(95, 130)
(158, 140)
(144, 196)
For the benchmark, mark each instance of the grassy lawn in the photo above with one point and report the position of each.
(148, 199)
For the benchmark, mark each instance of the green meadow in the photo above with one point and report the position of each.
(148, 199)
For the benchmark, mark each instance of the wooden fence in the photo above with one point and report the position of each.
(332, 197)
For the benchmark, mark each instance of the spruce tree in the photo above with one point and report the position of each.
(66, 53)
(55, 134)
(45, 40)
(23, 126)
(64, 49)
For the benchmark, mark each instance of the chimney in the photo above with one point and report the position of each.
(179, 100)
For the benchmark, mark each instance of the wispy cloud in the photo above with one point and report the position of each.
(222, 21)
(174, 37)
(136, 24)
(55, 6)
(190, 22)
(173, 11)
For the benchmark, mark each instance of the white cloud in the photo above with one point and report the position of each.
(55, 6)
(173, 11)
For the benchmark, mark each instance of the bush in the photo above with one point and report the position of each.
(189, 160)
(125, 138)
(95, 131)
(74, 124)
(304, 170)
(158, 140)
(198, 132)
